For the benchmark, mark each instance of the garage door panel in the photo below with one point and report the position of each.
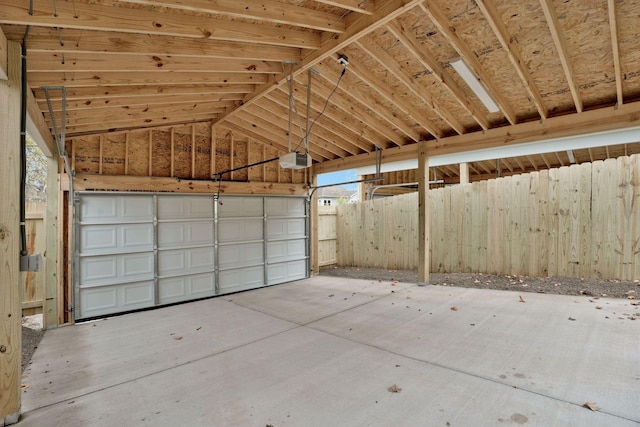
(116, 299)
(110, 269)
(234, 256)
(185, 207)
(286, 272)
(185, 261)
(238, 230)
(181, 234)
(241, 279)
(109, 209)
(184, 288)
(286, 228)
(285, 206)
(286, 250)
(238, 207)
(103, 239)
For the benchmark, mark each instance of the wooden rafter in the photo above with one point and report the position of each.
(350, 104)
(229, 82)
(268, 11)
(360, 6)
(438, 72)
(85, 16)
(99, 104)
(463, 50)
(615, 49)
(356, 96)
(510, 45)
(86, 41)
(332, 122)
(385, 11)
(534, 164)
(386, 92)
(562, 51)
(87, 62)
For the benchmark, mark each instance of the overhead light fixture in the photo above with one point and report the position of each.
(474, 84)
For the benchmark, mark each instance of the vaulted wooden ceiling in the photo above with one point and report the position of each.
(552, 67)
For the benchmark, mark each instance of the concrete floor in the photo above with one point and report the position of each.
(325, 352)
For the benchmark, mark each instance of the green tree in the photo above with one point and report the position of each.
(36, 189)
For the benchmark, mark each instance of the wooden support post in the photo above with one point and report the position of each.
(464, 173)
(4, 58)
(126, 153)
(424, 260)
(213, 151)
(10, 303)
(362, 189)
(150, 152)
(50, 309)
(173, 152)
(315, 267)
(193, 151)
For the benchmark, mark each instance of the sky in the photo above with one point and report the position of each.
(338, 177)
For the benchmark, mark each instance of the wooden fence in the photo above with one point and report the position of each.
(577, 221)
(327, 236)
(33, 283)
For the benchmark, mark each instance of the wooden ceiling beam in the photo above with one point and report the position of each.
(534, 164)
(392, 66)
(99, 62)
(277, 116)
(591, 121)
(138, 113)
(487, 169)
(266, 10)
(387, 93)
(231, 82)
(260, 124)
(545, 160)
(615, 49)
(562, 51)
(67, 40)
(90, 16)
(265, 136)
(520, 164)
(507, 163)
(510, 46)
(363, 97)
(448, 31)
(364, 7)
(98, 103)
(125, 125)
(349, 102)
(139, 91)
(331, 123)
(427, 60)
(385, 11)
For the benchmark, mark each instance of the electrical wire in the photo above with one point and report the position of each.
(326, 104)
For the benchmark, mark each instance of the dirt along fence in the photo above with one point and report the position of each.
(576, 221)
(33, 283)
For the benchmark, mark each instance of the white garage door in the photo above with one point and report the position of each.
(136, 251)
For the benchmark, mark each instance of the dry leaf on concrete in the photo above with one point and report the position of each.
(631, 297)
(591, 405)
(521, 299)
(571, 318)
(454, 308)
(178, 338)
(394, 389)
